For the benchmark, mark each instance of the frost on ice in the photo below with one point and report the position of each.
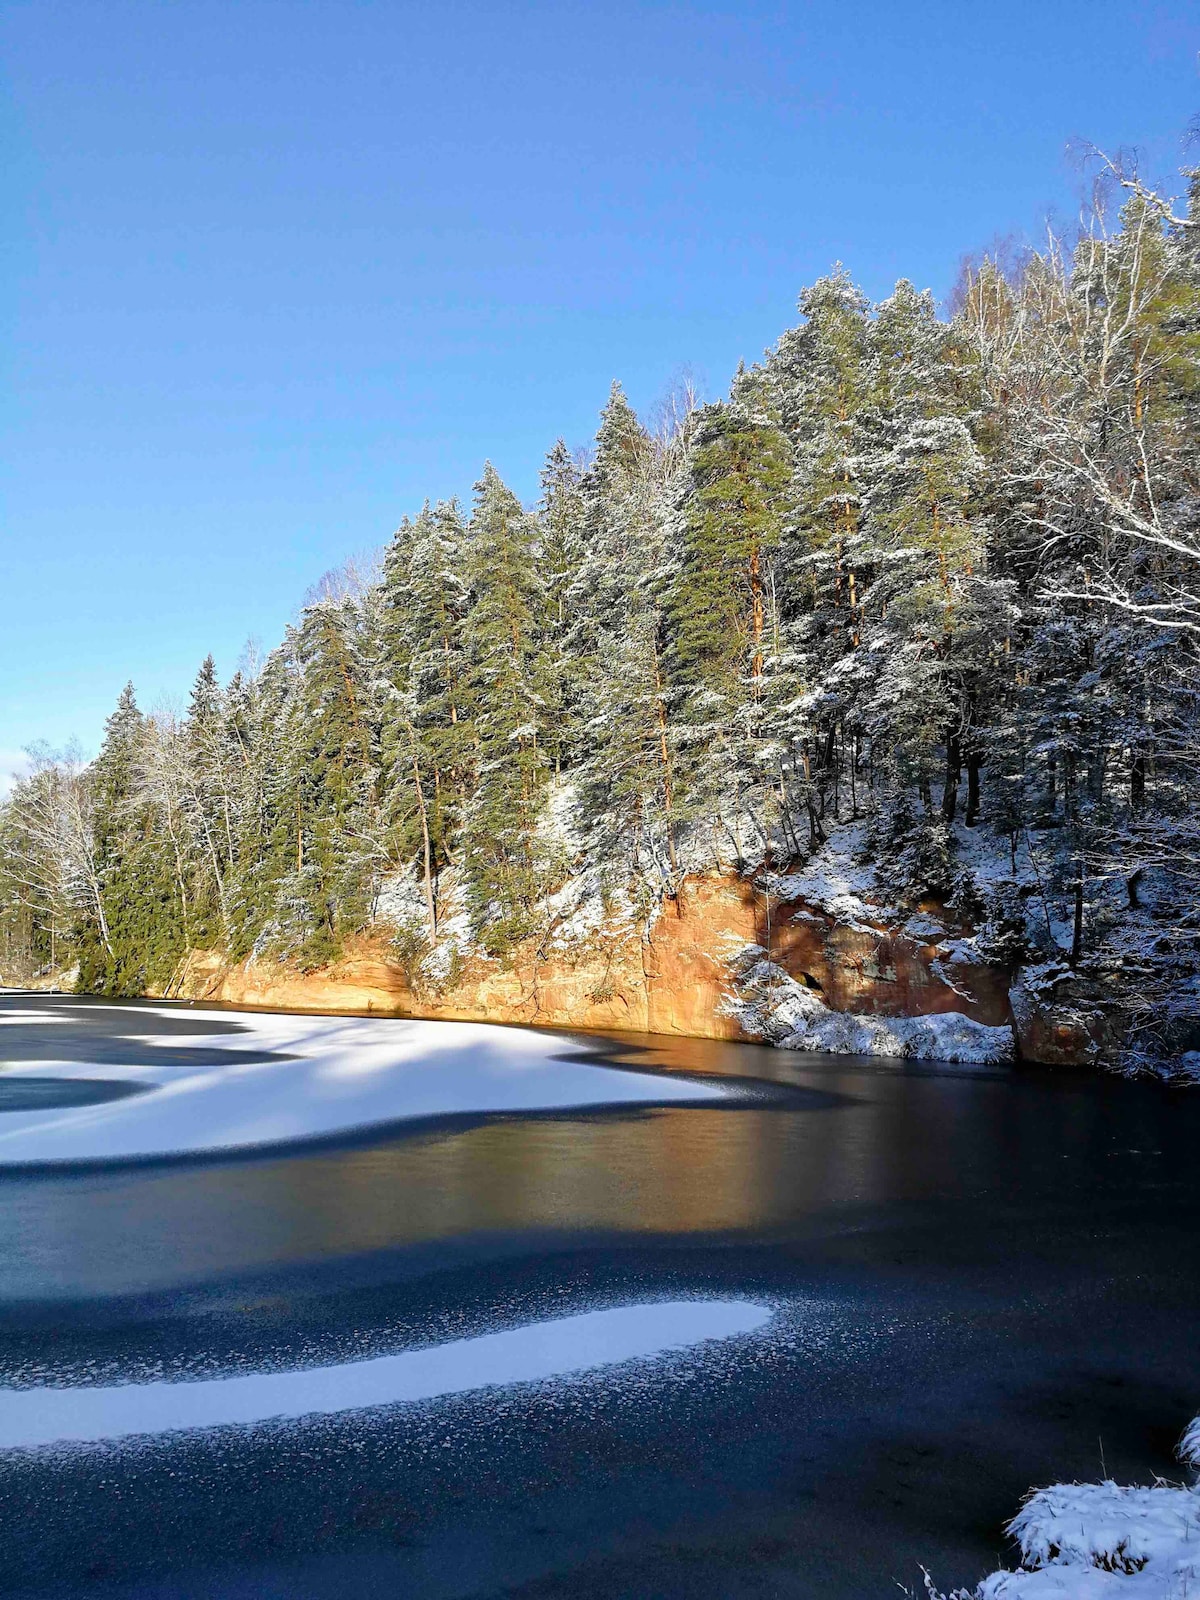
(282, 1078)
(30, 1418)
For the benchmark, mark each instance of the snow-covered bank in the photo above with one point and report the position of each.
(1103, 1541)
(30, 1418)
(254, 1080)
(771, 1005)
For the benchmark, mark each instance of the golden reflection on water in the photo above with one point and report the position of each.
(680, 1170)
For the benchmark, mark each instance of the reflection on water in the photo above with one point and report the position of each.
(873, 1133)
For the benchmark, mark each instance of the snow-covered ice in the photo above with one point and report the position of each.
(555, 1348)
(329, 1075)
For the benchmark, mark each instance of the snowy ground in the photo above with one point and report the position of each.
(837, 881)
(322, 1076)
(34, 1417)
(1102, 1541)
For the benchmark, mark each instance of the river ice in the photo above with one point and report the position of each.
(323, 1076)
(86, 1415)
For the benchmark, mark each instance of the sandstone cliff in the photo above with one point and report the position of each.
(683, 971)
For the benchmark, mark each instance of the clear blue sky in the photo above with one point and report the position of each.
(276, 271)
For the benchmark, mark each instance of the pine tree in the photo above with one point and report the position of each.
(627, 798)
(723, 606)
(620, 533)
(332, 773)
(137, 936)
(501, 855)
(559, 558)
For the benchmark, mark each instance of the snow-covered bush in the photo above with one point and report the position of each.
(1103, 1541)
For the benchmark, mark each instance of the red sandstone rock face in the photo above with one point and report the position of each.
(669, 979)
(1059, 1019)
(879, 971)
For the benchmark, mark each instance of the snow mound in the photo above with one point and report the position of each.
(1102, 1541)
(258, 1079)
(771, 1005)
(1099, 1539)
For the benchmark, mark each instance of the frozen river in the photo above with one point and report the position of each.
(339, 1307)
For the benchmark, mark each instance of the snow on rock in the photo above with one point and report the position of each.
(771, 1005)
(583, 912)
(400, 906)
(401, 899)
(943, 1036)
(768, 1003)
(259, 1079)
(1099, 1536)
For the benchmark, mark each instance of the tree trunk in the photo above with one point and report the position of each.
(953, 774)
(971, 816)
(1137, 781)
(665, 757)
(1077, 925)
(427, 854)
(757, 618)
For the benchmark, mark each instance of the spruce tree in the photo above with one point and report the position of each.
(560, 546)
(501, 853)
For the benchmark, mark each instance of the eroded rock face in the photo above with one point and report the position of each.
(680, 975)
(668, 978)
(906, 969)
(772, 1006)
(842, 975)
(1059, 1018)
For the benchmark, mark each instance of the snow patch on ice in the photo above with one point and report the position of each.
(35, 1417)
(323, 1076)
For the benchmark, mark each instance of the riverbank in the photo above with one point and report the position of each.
(974, 1276)
(811, 962)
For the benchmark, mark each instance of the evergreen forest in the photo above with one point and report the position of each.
(933, 574)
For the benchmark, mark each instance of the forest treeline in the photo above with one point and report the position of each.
(932, 573)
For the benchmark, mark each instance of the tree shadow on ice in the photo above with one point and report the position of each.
(61, 1094)
(112, 1034)
(750, 1096)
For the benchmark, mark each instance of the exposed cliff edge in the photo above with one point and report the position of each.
(728, 960)
(817, 959)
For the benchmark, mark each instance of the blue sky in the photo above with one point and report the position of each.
(277, 271)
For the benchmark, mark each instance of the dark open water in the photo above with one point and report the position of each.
(983, 1281)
